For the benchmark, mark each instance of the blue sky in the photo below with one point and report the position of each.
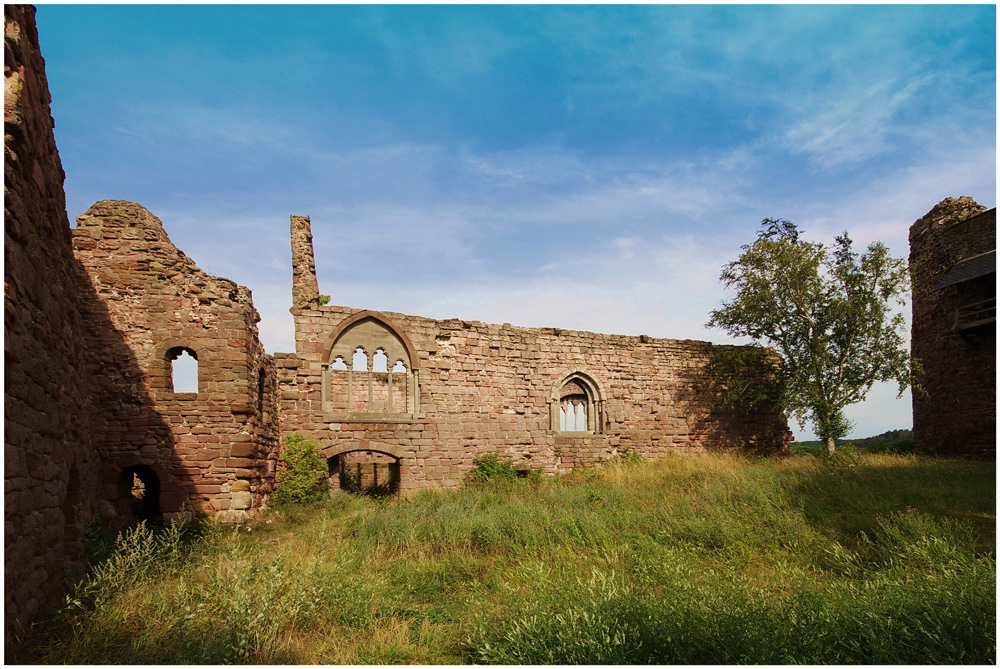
(586, 167)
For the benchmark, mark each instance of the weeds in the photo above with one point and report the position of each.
(714, 560)
(492, 467)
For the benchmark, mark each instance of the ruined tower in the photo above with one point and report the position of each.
(953, 268)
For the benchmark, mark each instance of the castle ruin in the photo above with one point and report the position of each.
(97, 316)
(953, 269)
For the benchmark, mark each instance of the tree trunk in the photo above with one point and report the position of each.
(831, 446)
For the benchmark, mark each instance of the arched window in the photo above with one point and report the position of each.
(577, 404)
(183, 363)
(369, 385)
(359, 360)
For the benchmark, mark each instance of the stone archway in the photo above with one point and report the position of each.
(364, 466)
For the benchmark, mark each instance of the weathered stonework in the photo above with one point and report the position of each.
(50, 467)
(464, 389)
(954, 329)
(96, 316)
(199, 446)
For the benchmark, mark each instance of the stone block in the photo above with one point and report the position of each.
(243, 450)
(241, 500)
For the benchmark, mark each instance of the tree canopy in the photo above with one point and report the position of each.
(828, 312)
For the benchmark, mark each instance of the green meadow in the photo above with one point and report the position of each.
(858, 559)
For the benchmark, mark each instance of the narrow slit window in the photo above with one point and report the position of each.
(261, 382)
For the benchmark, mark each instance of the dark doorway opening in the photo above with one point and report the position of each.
(139, 493)
(371, 473)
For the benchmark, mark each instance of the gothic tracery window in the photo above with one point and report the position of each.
(369, 371)
(577, 405)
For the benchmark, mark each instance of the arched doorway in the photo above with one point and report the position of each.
(138, 493)
(366, 472)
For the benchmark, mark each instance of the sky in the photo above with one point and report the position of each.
(582, 167)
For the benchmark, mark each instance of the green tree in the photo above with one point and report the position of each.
(302, 472)
(829, 315)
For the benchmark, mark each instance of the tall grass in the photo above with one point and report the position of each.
(722, 559)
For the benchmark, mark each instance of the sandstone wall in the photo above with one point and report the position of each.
(50, 472)
(213, 451)
(959, 415)
(484, 388)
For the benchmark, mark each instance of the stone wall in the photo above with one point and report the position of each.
(88, 343)
(211, 451)
(50, 469)
(96, 316)
(464, 389)
(959, 415)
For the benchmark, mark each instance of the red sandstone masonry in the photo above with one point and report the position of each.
(959, 416)
(214, 451)
(50, 469)
(88, 394)
(487, 388)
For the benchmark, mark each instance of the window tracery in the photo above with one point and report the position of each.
(577, 405)
(369, 385)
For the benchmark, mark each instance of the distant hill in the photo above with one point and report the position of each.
(891, 437)
(884, 438)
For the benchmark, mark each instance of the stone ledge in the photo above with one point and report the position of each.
(365, 417)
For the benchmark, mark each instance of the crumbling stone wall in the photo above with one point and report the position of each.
(95, 316)
(50, 470)
(88, 339)
(213, 451)
(470, 388)
(959, 415)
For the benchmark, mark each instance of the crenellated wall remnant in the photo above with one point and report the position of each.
(953, 268)
(428, 396)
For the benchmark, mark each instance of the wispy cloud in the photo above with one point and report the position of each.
(582, 167)
(851, 128)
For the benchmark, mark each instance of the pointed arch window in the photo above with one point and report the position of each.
(369, 373)
(577, 405)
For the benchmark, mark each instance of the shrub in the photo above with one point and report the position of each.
(844, 459)
(899, 446)
(138, 553)
(629, 456)
(302, 472)
(492, 467)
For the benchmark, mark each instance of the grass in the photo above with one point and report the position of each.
(873, 559)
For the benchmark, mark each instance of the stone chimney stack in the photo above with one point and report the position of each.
(305, 289)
